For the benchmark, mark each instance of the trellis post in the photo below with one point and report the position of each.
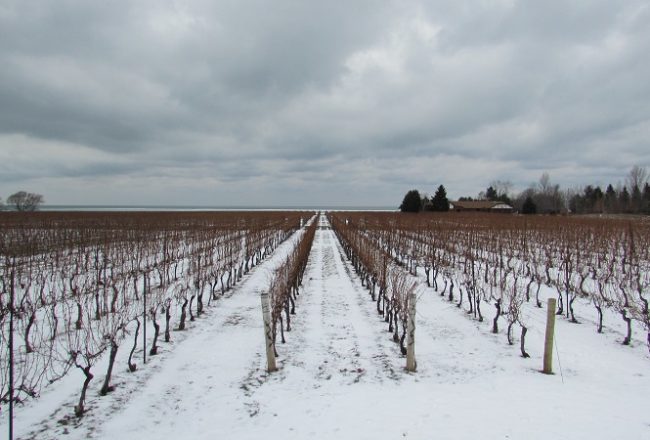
(268, 336)
(411, 365)
(548, 340)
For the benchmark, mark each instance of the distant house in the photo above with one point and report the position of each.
(481, 206)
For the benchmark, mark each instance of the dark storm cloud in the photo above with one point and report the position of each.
(111, 76)
(252, 100)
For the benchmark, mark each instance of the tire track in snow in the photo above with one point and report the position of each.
(340, 336)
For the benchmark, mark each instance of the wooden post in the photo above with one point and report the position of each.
(11, 349)
(411, 365)
(548, 342)
(268, 336)
(144, 319)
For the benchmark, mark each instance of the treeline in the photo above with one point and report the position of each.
(630, 197)
(593, 200)
(545, 197)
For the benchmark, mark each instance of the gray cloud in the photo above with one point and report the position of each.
(233, 102)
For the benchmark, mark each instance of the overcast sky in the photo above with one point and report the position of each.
(256, 102)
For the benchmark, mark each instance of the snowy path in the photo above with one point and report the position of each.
(337, 352)
(341, 333)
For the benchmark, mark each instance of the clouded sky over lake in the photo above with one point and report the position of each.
(245, 102)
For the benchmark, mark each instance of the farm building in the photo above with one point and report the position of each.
(481, 206)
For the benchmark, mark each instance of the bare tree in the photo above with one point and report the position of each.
(637, 177)
(24, 201)
(545, 186)
(636, 180)
(502, 187)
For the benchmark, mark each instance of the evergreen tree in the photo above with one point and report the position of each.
(439, 202)
(529, 206)
(636, 200)
(611, 201)
(646, 199)
(491, 194)
(624, 200)
(504, 198)
(412, 202)
(593, 199)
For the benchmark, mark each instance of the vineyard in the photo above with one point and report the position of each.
(504, 261)
(130, 324)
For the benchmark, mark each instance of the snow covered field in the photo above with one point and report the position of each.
(341, 376)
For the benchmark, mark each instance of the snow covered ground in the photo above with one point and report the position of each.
(341, 376)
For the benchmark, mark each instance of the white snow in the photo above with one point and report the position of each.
(341, 376)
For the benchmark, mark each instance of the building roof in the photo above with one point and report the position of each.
(480, 204)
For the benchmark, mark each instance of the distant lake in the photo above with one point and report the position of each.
(209, 208)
